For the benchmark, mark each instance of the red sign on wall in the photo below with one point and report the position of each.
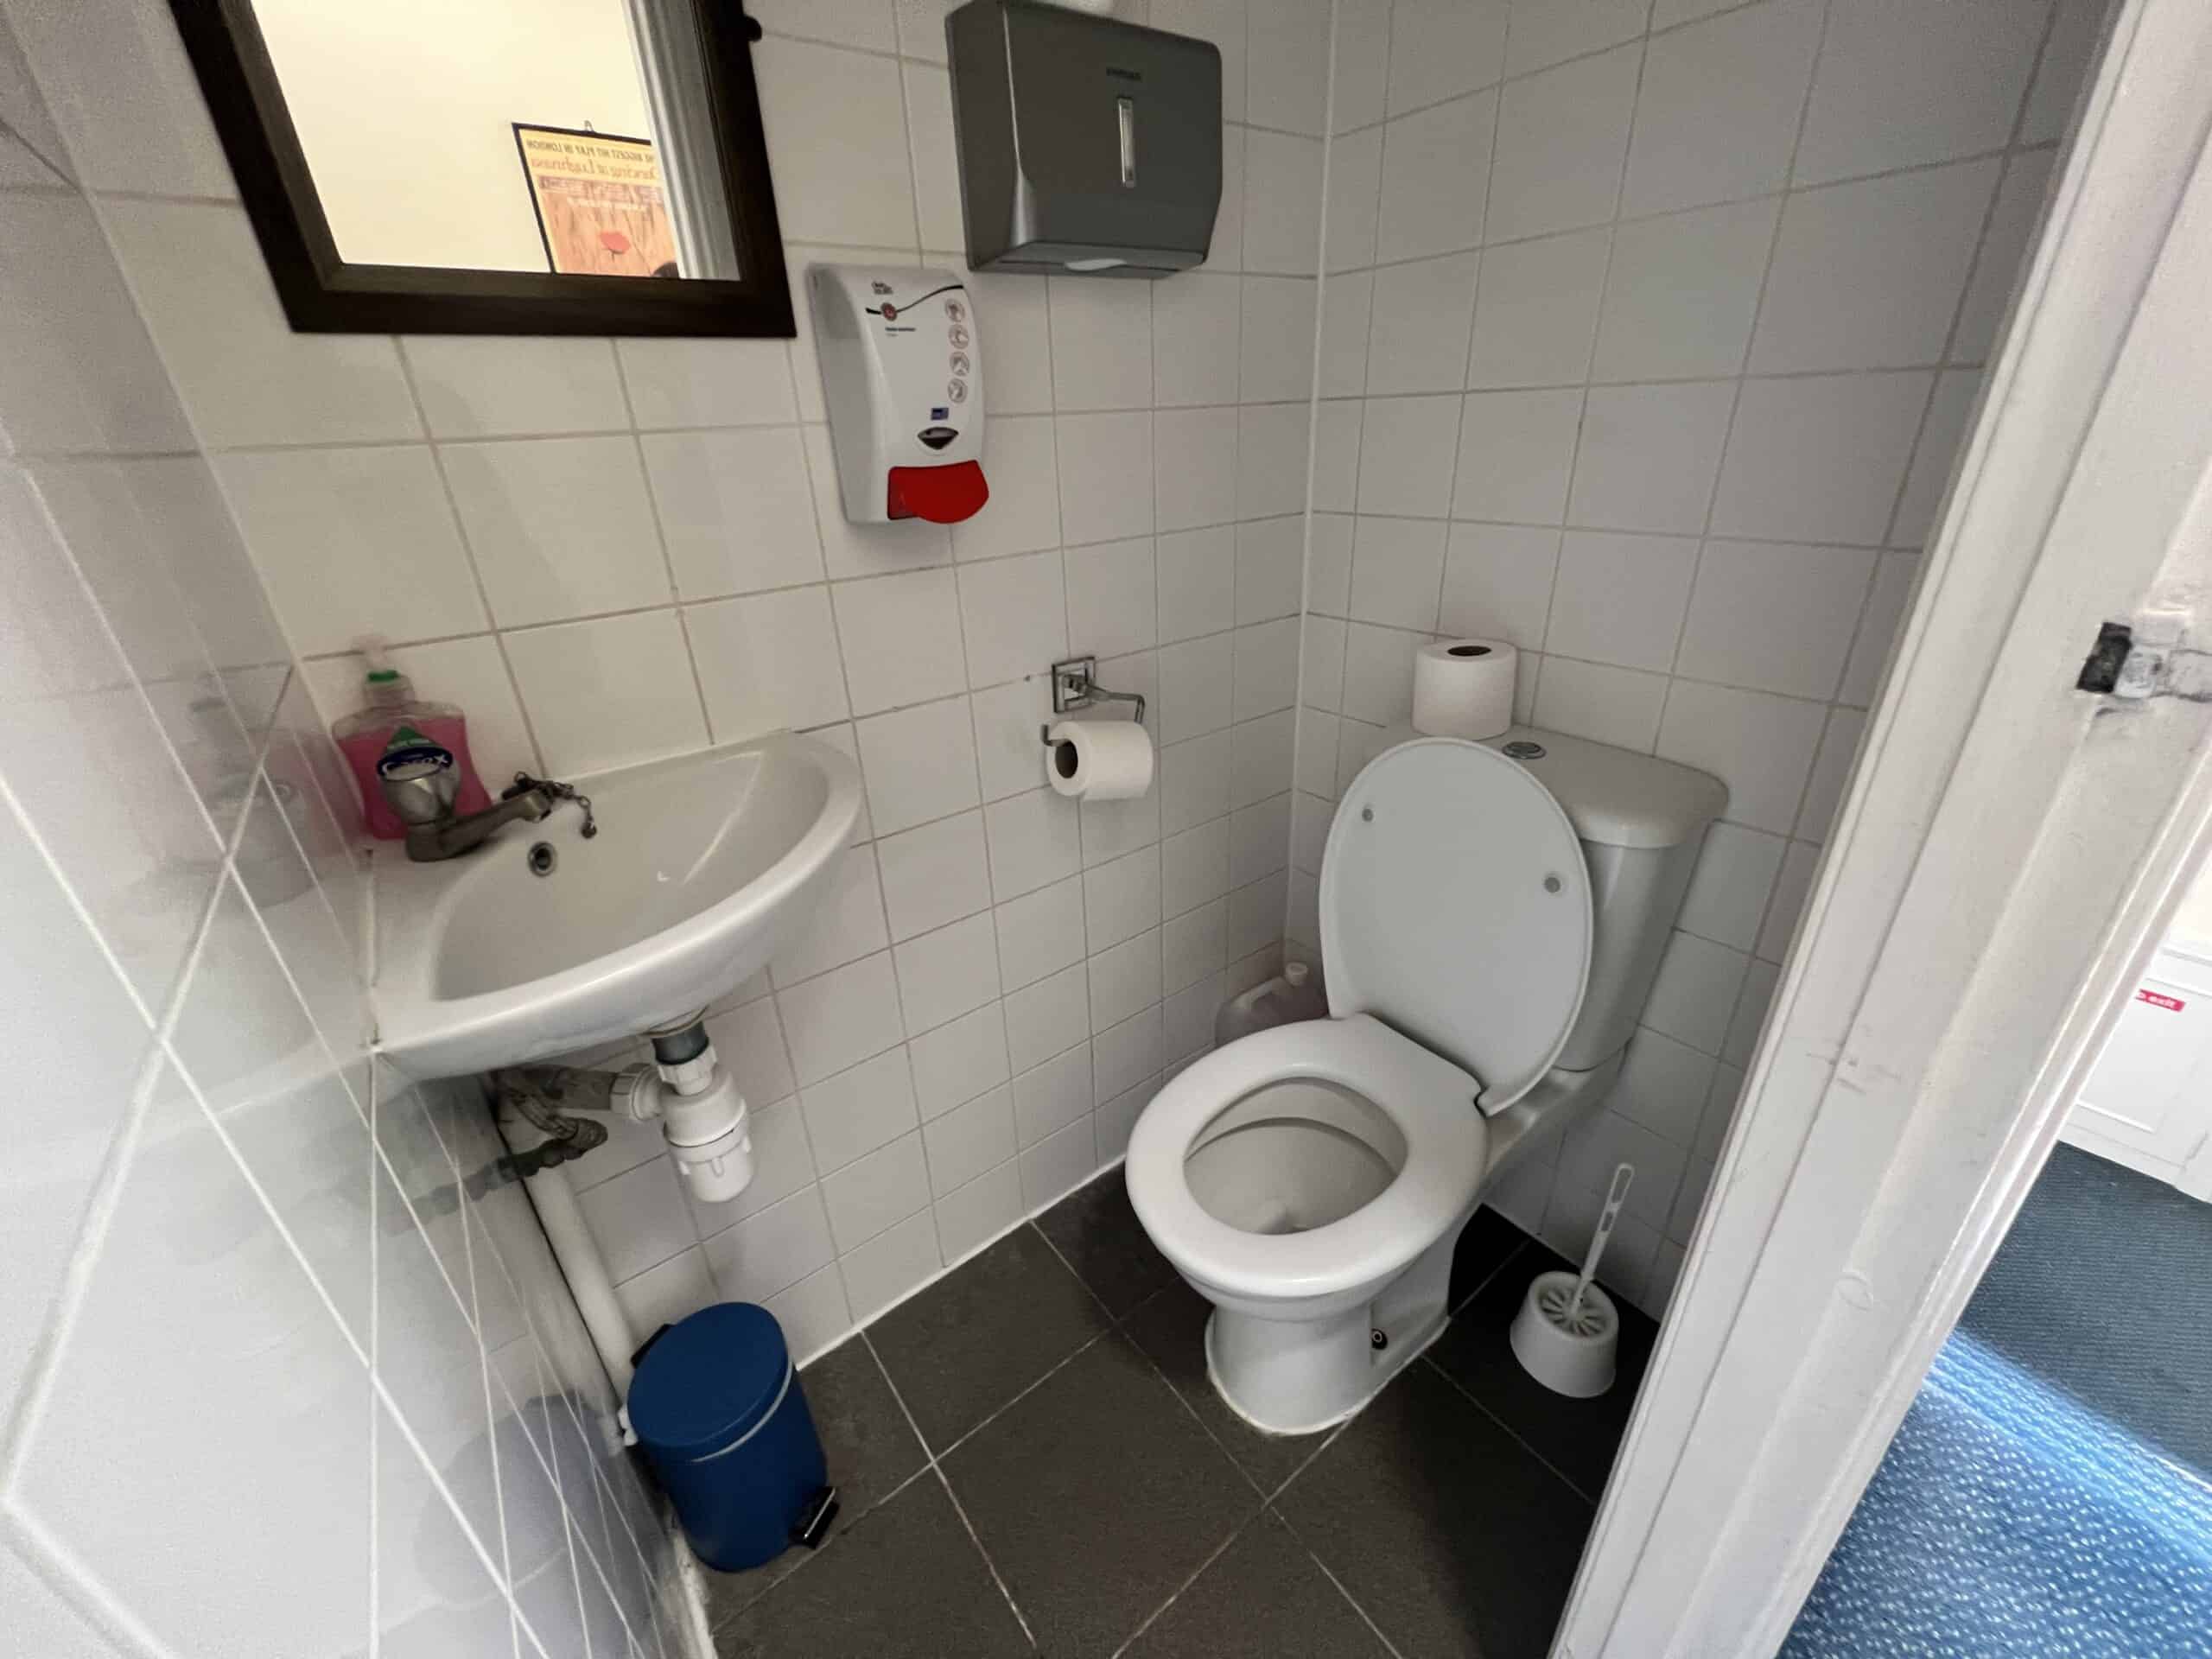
(2158, 1000)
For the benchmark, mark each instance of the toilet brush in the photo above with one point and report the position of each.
(1568, 1329)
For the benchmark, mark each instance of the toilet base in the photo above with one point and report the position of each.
(1299, 1376)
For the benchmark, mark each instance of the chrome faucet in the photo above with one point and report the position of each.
(420, 784)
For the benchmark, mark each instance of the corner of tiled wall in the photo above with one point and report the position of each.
(1649, 333)
(286, 1368)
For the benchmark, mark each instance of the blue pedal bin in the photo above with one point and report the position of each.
(717, 1408)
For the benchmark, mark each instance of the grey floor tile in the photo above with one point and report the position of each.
(1452, 1537)
(1097, 1497)
(1171, 1329)
(1576, 1437)
(1486, 1244)
(983, 1333)
(905, 1582)
(867, 1443)
(1263, 1598)
(1102, 1238)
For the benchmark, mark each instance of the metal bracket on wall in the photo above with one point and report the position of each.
(1075, 685)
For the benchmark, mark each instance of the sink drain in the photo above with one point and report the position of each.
(543, 858)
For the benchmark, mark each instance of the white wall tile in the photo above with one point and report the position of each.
(934, 874)
(1440, 47)
(970, 1141)
(1775, 617)
(1112, 607)
(1866, 276)
(1023, 472)
(1719, 108)
(876, 1192)
(1124, 978)
(1102, 343)
(1034, 841)
(935, 155)
(1406, 449)
(1649, 455)
(773, 1250)
(1197, 580)
(201, 284)
(355, 542)
(1423, 313)
(1894, 577)
(1052, 1096)
(957, 1062)
(1397, 570)
(1498, 583)
(1276, 360)
(1542, 32)
(1122, 898)
(473, 386)
(1933, 456)
(768, 661)
(1047, 1018)
(1695, 992)
(560, 527)
(638, 1219)
(1561, 136)
(1007, 757)
(1194, 338)
(1728, 893)
(1819, 458)
(1040, 933)
(1433, 167)
(1195, 682)
(840, 1020)
(1287, 63)
(1353, 202)
(707, 382)
(1269, 562)
(1759, 744)
(1105, 476)
(1057, 1164)
(1832, 766)
(608, 692)
(2075, 28)
(1282, 202)
(1194, 464)
(836, 143)
(919, 764)
(1620, 599)
(1791, 888)
(1271, 444)
(1900, 85)
(901, 639)
(1517, 454)
(846, 926)
(1681, 293)
(735, 508)
(1663, 1088)
(1360, 61)
(1347, 305)
(1536, 313)
(1597, 700)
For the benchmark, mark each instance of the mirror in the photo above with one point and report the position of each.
(499, 166)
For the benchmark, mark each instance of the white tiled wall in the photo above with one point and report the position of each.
(285, 1368)
(1649, 334)
(608, 551)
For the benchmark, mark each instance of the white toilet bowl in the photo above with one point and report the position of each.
(1310, 1181)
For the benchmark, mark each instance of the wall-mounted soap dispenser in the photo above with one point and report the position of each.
(902, 372)
(1086, 144)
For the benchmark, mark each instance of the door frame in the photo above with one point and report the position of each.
(2003, 865)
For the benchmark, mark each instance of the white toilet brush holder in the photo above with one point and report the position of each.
(1568, 1330)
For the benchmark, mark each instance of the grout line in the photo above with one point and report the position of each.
(952, 1496)
(1258, 1514)
(1510, 1432)
(1388, 1646)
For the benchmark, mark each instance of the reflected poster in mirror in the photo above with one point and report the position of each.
(602, 208)
(499, 166)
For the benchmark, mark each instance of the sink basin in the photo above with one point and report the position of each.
(704, 867)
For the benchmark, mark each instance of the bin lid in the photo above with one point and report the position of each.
(708, 1378)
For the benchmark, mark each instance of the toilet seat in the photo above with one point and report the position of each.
(1430, 1100)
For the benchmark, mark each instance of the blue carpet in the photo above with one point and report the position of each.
(2048, 1492)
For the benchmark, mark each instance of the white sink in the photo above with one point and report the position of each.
(703, 867)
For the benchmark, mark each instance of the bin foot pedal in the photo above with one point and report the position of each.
(814, 1521)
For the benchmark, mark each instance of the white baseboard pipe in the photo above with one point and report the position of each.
(577, 1252)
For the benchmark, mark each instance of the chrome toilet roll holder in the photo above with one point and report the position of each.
(1075, 685)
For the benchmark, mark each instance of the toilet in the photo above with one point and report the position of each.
(1492, 917)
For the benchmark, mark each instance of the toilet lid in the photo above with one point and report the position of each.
(1455, 908)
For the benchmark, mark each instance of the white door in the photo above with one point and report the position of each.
(2008, 854)
(2148, 1102)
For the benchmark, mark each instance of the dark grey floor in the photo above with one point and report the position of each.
(1031, 1461)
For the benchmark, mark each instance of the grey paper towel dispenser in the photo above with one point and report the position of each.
(1086, 144)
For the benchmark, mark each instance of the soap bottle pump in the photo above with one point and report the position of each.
(389, 702)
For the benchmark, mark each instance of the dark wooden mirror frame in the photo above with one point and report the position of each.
(324, 294)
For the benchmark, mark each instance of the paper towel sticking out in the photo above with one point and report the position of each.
(1463, 688)
(1098, 759)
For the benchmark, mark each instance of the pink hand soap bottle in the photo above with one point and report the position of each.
(363, 735)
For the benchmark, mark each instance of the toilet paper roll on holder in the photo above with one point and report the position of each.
(1075, 685)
